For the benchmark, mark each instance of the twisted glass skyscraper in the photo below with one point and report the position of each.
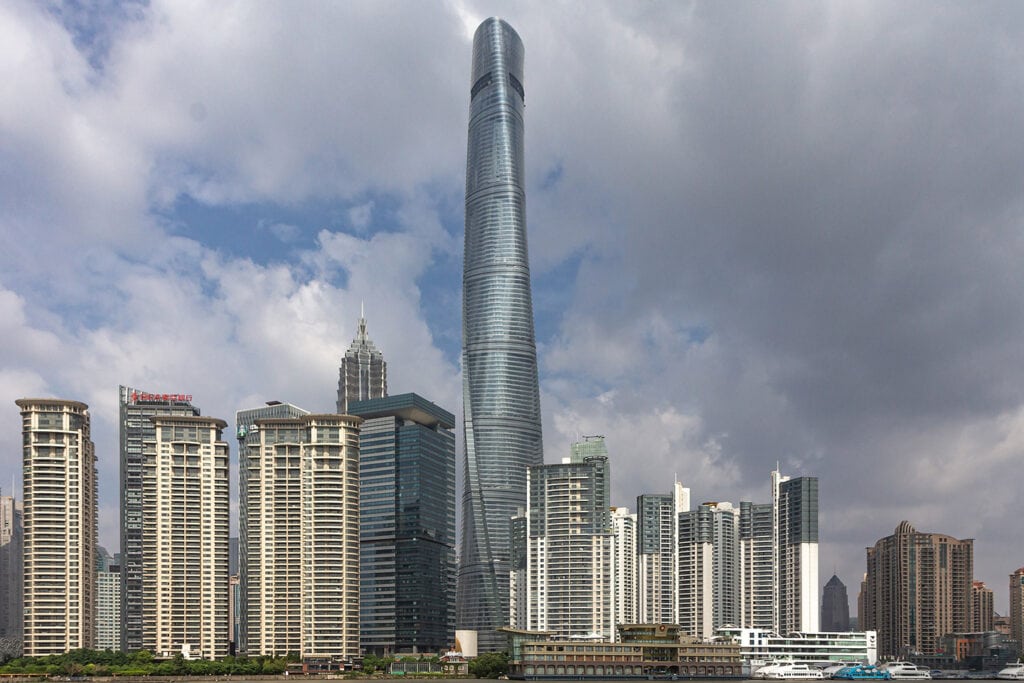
(501, 404)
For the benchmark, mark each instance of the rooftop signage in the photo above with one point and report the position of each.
(142, 396)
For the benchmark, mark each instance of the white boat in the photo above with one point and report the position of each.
(1013, 672)
(907, 671)
(762, 671)
(790, 671)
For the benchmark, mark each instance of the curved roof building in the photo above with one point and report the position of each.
(501, 404)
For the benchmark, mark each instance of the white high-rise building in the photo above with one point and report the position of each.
(185, 529)
(709, 577)
(60, 526)
(108, 608)
(624, 584)
(300, 564)
(562, 548)
(795, 536)
(658, 554)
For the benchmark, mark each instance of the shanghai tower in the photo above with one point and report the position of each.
(501, 403)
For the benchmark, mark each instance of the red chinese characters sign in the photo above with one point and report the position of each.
(141, 396)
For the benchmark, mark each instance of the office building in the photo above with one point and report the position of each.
(108, 607)
(299, 546)
(501, 400)
(562, 548)
(795, 535)
(363, 374)
(757, 566)
(276, 498)
(981, 607)
(185, 526)
(835, 606)
(1016, 615)
(136, 407)
(814, 649)
(406, 525)
(623, 564)
(60, 526)
(918, 589)
(11, 586)
(709, 572)
(658, 554)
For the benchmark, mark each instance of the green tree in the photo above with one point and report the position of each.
(489, 665)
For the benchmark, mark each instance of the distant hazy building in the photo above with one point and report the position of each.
(624, 583)
(709, 576)
(60, 526)
(363, 373)
(658, 554)
(757, 566)
(108, 608)
(407, 525)
(185, 526)
(1017, 606)
(918, 589)
(795, 503)
(269, 521)
(562, 548)
(11, 585)
(835, 607)
(135, 428)
(300, 542)
(981, 607)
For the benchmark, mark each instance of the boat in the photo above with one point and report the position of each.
(831, 670)
(906, 671)
(1012, 672)
(763, 671)
(792, 671)
(862, 672)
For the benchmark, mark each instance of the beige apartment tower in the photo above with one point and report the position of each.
(1017, 605)
(301, 533)
(60, 526)
(918, 589)
(185, 538)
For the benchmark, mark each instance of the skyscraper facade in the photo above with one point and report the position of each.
(108, 608)
(624, 583)
(981, 607)
(269, 517)
(795, 503)
(501, 400)
(185, 527)
(301, 539)
(709, 576)
(658, 554)
(407, 525)
(918, 589)
(562, 573)
(11, 585)
(363, 374)
(757, 563)
(1017, 605)
(60, 526)
(835, 607)
(136, 427)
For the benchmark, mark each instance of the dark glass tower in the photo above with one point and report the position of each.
(136, 409)
(407, 525)
(835, 606)
(501, 403)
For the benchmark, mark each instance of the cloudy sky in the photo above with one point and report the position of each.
(759, 232)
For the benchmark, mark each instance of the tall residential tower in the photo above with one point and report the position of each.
(60, 526)
(501, 402)
(136, 427)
